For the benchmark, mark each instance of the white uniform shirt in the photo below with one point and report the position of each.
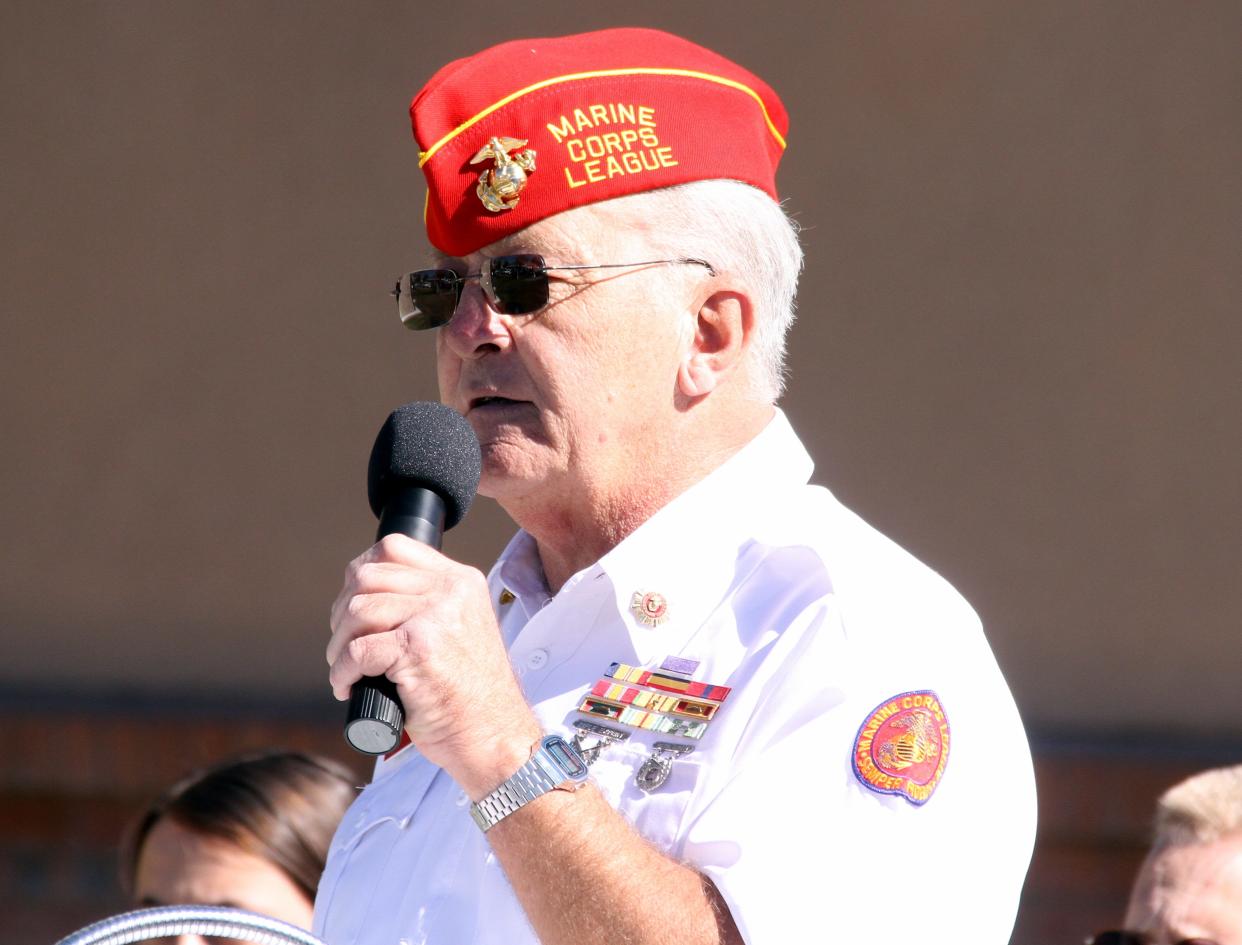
(815, 621)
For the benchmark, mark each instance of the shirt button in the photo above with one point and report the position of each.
(536, 659)
(463, 799)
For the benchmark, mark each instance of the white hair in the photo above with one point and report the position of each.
(740, 231)
(1202, 809)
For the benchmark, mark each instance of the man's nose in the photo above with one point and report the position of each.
(476, 328)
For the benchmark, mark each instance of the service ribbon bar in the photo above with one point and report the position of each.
(668, 683)
(641, 718)
(655, 701)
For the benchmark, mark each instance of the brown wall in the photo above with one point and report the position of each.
(1016, 354)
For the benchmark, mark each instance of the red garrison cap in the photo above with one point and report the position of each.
(529, 128)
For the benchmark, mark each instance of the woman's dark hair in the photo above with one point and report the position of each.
(280, 806)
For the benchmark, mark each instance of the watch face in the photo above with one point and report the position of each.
(566, 758)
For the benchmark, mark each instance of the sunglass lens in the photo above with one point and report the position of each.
(427, 298)
(519, 284)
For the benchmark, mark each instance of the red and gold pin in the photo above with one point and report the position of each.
(903, 746)
(650, 608)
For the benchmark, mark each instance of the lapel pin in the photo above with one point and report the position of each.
(650, 608)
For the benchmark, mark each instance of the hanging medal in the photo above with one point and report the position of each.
(592, 739)
(656, 769)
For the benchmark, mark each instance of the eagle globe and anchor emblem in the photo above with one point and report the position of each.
(499, 187)
(903, 746)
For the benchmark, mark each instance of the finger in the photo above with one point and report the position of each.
(348, 583)
(377, 577)
(402, 549)
(366, 615)
(372, 655)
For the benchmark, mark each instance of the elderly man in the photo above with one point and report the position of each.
(1190, 886)
(793, 730)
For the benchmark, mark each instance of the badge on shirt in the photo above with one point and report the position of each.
(650, 608)
(593, 739)
(655, 770)
(903, 746)
(666, 701)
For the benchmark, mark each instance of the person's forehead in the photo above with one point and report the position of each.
(1214, 859)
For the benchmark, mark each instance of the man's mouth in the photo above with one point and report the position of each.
(494, 401)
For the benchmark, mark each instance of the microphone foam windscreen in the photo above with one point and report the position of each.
(429, 445)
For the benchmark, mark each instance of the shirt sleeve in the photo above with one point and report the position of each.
(802, 848)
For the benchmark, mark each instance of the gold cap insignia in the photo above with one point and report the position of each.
(500, 186)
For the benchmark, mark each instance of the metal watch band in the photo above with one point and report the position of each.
(541, 774)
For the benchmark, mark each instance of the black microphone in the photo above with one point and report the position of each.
(421, 479)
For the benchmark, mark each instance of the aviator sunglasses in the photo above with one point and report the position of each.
(514, 285)
(1125, 937)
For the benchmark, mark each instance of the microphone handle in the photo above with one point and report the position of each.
(375, 717)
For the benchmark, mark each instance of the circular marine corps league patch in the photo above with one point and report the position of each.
(903, 746)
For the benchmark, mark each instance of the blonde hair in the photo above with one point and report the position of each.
(1202, 809)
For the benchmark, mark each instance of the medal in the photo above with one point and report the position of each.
(679, 666)
(667, 682)
(655, 770)
(655, 701)
(666, 701)
(642, 718)
(601, 737)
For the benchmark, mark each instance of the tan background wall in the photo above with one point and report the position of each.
(1016, 353)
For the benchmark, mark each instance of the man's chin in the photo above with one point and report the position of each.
(506, 476)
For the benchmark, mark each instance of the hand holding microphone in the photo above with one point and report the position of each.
(421, 625)
(421, 479)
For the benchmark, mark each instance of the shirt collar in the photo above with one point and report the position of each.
(688, 550)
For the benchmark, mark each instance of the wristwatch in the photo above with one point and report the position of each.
(555, 764)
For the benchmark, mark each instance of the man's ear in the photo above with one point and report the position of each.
(723, 328)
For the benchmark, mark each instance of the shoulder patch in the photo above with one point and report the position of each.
(903, 746)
